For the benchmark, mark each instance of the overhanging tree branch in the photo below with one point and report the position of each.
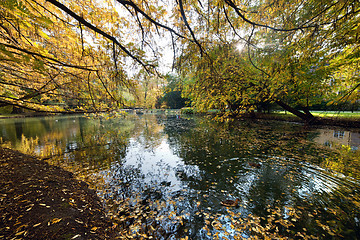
(305, 117)
(16, 104)
(234, 30)
(50, 12)
(137, 9)
(97, 30)
(105, 87)
(303, 26)
(48, 58)
(249, 54)
(188, 27)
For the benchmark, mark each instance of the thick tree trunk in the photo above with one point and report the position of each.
(306, 116)
(307, 112)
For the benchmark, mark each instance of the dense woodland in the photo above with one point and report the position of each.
(231, 55)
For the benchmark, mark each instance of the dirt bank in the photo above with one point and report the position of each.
(41, 201)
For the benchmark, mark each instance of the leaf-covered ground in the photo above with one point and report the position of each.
(41, 201)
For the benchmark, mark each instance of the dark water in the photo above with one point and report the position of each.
(165, 175)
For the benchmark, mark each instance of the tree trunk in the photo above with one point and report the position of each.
(307, 112)
(307, 116)
(17, 110)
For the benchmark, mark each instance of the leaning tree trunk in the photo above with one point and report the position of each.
(307, 116)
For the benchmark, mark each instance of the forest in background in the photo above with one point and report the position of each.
(233, 56)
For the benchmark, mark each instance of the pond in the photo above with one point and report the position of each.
(165, 175)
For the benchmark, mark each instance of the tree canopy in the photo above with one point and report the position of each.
(61, 56)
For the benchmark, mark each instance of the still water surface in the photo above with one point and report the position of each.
(172, 172)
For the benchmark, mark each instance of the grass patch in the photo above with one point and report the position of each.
(332, 114)
(342, 114)
(10, 115)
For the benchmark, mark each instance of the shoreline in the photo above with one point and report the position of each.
(319, 121)
(42, 201)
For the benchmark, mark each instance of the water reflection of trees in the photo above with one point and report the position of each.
(222, 156)
(74, 140)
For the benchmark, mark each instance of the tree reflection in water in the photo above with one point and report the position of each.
(165, 176)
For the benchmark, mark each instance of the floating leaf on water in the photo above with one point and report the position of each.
(56, 220)
(78, 221)
(38, 224)
(20, 233)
